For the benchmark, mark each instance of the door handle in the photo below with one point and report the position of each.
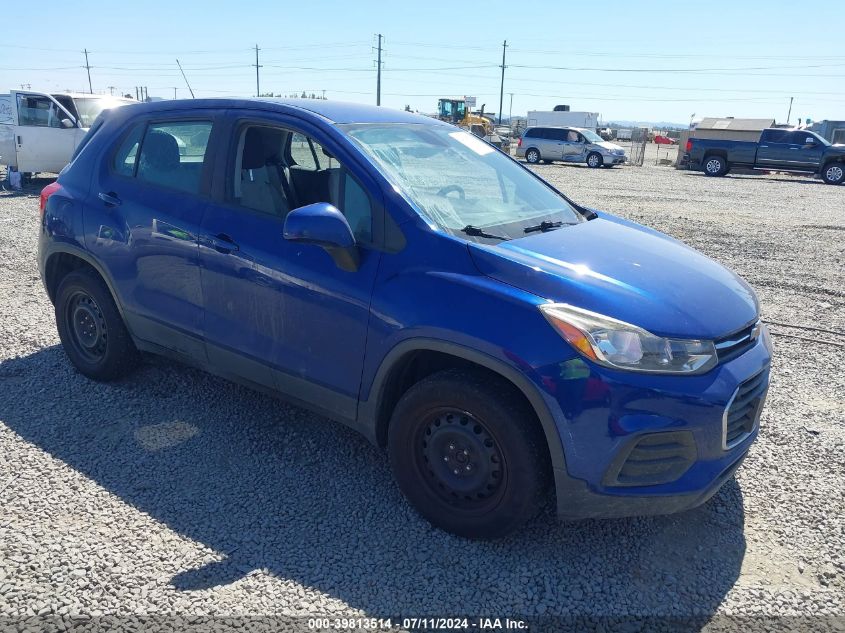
(110, 199)
(764, 147)
(222, 243)
(19, 141)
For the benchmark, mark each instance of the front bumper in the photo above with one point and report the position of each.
(639, 444)
(614, 159)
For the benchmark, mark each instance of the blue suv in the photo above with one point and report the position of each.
(405, 278)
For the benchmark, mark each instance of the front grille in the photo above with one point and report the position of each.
(743, 411)
(737, 343)
(656, 458)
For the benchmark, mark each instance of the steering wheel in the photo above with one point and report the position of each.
(445, 191)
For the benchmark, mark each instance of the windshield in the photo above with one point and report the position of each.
(456, 180)
(89, 108)
(591, 136)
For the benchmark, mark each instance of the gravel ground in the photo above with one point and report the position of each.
(177, 493)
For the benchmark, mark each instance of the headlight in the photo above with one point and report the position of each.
(620, 345)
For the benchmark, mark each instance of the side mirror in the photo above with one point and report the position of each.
(323, 225)
(66, 123)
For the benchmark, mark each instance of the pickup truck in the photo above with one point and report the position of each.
(778, 150)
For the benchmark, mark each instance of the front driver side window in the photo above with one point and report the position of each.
(278, 170)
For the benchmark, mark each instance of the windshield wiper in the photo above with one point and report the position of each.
(474, 231)
(544, 226)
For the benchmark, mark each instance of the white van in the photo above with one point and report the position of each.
(40, 131)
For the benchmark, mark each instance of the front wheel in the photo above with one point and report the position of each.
(468, 454)
(532, 156)
(834, 173)
(594, 160)
(715, 166)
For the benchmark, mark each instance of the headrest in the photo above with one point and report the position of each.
(160, 152)
(261, 146)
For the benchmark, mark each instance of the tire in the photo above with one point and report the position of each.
(594, 160)
(532, 155)
(91, 329)
(833, 173)
(468, 454)
(715, 166)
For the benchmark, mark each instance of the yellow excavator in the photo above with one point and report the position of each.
(455, 111)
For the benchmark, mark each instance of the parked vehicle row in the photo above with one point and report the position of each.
(778, 150)
(568, 144)
(39, 132)
(409, 280)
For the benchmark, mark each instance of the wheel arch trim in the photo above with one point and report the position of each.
(368, 414)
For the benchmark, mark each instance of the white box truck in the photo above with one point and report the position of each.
(40, 131)
(563, 118)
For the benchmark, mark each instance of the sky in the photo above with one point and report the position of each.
(636, 60)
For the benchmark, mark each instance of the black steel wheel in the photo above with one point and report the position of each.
(90, 327)
(84, 321)
(468, 453)
(460, 458)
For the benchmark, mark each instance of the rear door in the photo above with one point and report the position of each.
(552, 144)
(142, 218)
(42, 143)
(774, 149)
(282, 313)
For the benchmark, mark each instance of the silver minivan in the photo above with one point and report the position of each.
(569, 144)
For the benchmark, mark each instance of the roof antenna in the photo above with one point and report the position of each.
(186, 79)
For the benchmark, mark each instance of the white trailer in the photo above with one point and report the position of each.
(556, 118)
(39, 132)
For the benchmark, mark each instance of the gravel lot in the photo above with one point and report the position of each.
(174, 492)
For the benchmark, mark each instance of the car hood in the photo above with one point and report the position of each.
(625, 271)
(609, 146)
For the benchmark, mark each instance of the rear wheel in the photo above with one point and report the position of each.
(594, 160)
(532, 155)
(715, 166)
(91, 329)
(833, 173)
(467, 453)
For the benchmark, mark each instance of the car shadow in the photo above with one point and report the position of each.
(271, 487)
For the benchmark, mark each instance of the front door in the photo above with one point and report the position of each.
(42, 142)
(573, 147)
(142, 218)
(805, 151)
(281, 313)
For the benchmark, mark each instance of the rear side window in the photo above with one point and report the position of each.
(172, 154)
(87, 138)
(126, 155)
(532, 133)
(775, 136)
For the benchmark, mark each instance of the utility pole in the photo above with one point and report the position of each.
(185, 78)
(174, 92)
(789, 114)
(88, 68)
(257, 87)
(502, 87)
(510, 111)
(378, 74)
(111, 90)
